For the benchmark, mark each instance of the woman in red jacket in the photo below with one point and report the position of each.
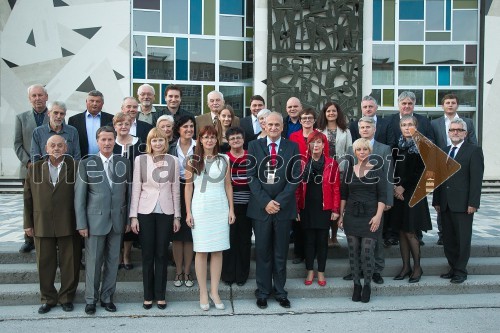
(318, 201)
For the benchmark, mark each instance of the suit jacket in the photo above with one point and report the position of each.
(247, 126)
(382, 153)
(180, 112)
(100, 207)
(441, 137)
(424, 127)
(148, 188)
(463, 189)
(383, 134)
(49, 209)
(143, 129)
(287, 179)
(23, 133)
(78, 121)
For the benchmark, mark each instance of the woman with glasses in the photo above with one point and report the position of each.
(409, 220)
(209, 212)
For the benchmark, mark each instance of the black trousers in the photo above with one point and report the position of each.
(236, 260)
(457, 234)
(154, 234)
(316, 246)
(272, 237)
(298, 241)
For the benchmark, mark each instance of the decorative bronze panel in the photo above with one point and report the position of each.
(315, 52)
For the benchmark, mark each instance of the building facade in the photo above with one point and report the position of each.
(316, 50)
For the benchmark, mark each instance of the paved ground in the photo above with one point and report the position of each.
(486, 222)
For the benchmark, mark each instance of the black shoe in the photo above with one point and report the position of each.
(356, 294)
(284, 302)
(90, 309)
(45, 308)
(394, 241)
(67, 307)
(120, 266)
(377, 278)
(297, 260)
(241, 283)
(228, 283)
(457, 279)
(147, 306)
(128, 267)
(387, 243)
(401, 275)
(161, 306)
(421, 242)
(262, 303)
(448, 275)
(27, 247)
(415, 279)
(365, 295)
(440, 241)
(110, 307)
(348, 277)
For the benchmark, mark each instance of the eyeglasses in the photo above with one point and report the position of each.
(234, 138)
(456, 130)
(209, 138)
(310, 118)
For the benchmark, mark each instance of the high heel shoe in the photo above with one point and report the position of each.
(401, 275)
(218, 306)
(356, 294)
(322, 283)
(205, 307)
(308, 282)
(415, 279)
(365, 295)
(147, 306)
(161, 306)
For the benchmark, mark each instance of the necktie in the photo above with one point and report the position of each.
(273, 154)
(216, 120)
(256, 127)
(108, 170)
(453, 152)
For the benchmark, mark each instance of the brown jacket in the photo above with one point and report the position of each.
(49, 209)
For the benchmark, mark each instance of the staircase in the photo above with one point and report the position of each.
(19, 278)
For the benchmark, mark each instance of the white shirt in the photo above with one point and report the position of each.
(256, 125)
(456, 151)
(54, 172)
(107, 162)
(133, 128)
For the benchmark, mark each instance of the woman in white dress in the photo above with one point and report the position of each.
(209, 211)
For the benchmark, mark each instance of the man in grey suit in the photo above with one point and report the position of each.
(273, 172)
(101, 206)
(440, 126)
(381, 157)
(26, 123)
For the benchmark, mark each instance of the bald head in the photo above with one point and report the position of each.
(56, 147)
(293, 108)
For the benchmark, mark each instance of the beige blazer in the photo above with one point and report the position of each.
(152, 184)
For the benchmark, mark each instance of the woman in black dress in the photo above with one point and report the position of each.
(363, 193)
(408, 219)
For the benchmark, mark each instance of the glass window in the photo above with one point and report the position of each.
(411, 9)
(181, 54)
(235, 72)
(231, 26)
(411, 30)
(438, 36)
(139, 71)
(139, 46)
(471, 54)
(383, 64)
(234, 7)
(377, 94)
(202, 60)
(147, 4)
(160, 63)
(417, 75)
(419, 94)
(195, 17)
(444, 54)
(464, 4)
(388, 97)
(175, 16)
(464, 75)
(465, 25)
(209, 17)
(444, 75)
(430, 98)
(206, 90)
(191, 98)
(377, 19)
(434, 18)
(466, 97)
(249, 51)
(249, 13)
(146, 21)
(160, 41)
(389, 20)
(411, 54)
(234, 96)
(231, 50)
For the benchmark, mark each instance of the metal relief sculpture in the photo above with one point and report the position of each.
(314, 52)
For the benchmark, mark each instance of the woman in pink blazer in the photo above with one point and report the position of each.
(155, 212)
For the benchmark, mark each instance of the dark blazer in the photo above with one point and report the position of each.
(439, 128)
(49, 209)
(424, 127)
(143, 129)
(247, 126)
(463, 189)
(181, 112)
(383, 134)
(78, 121)
(287, 175)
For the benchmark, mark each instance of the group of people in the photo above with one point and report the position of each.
(160, 176)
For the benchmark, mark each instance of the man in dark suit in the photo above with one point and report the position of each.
(382, 154)
(26, 123)
(49, 216)
(101, 206)
(440, 126)
(88, 122)
(384, 133)
(138, 128)
(250, 124)
(458, 199)
(273, 172)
